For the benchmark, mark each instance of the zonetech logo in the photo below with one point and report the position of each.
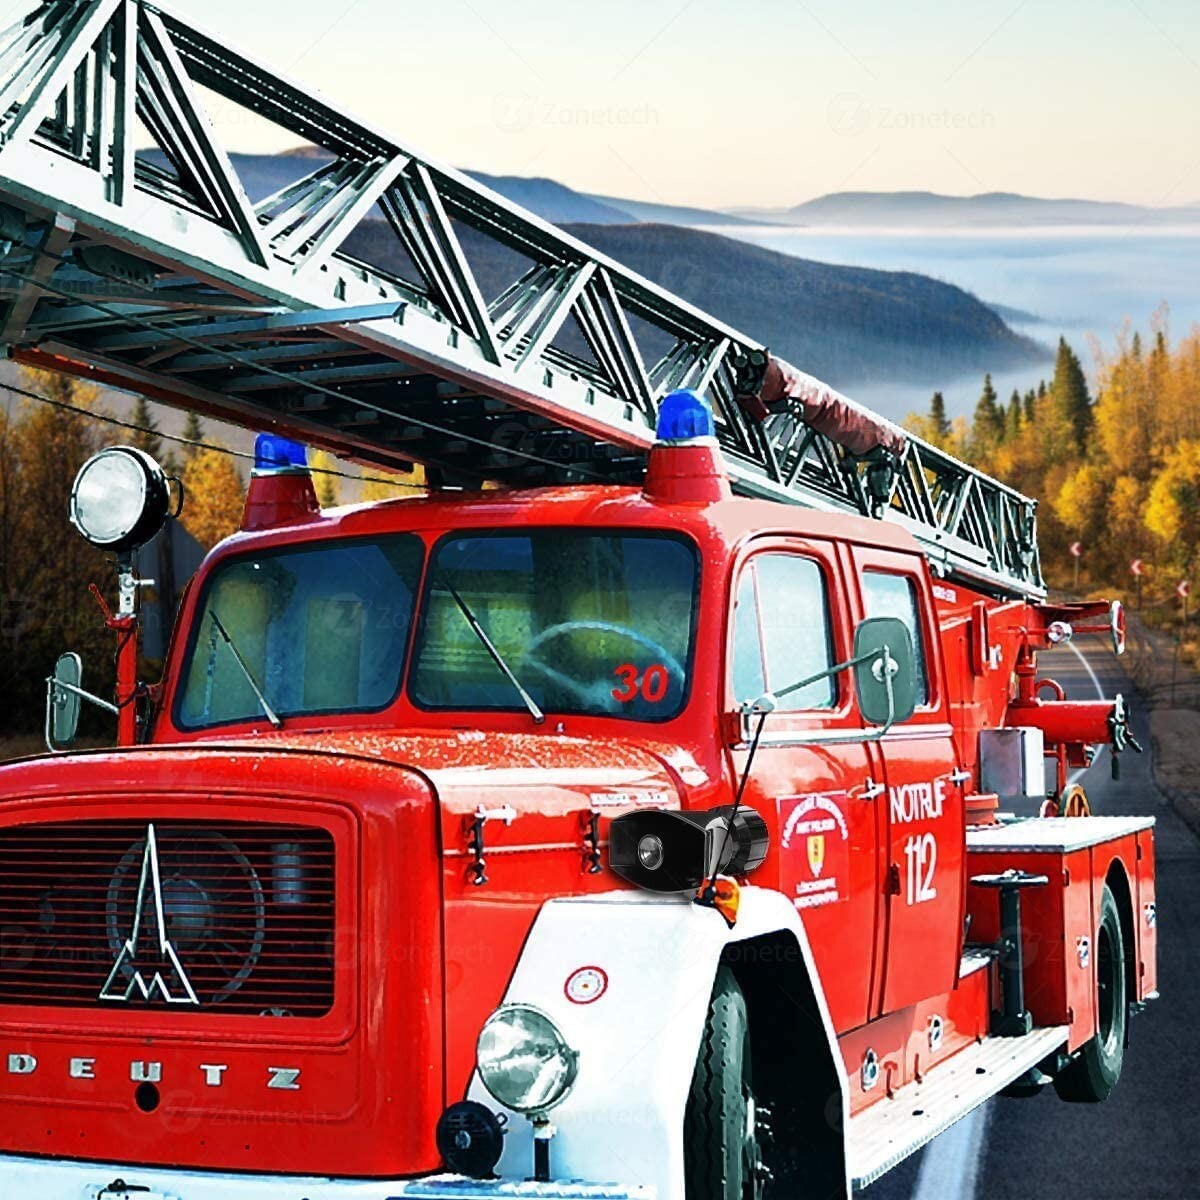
(179, 990)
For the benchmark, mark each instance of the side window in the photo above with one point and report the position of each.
(896, 596)
(749, 678)
(784, 637)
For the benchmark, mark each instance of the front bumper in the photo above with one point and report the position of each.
(53, 1179)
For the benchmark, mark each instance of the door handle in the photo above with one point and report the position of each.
(958, 776)
(869, 791)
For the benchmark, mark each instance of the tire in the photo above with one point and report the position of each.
(720, 1135)
(1094, 1069)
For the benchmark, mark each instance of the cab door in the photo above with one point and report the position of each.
(925, 830)
(790, 620)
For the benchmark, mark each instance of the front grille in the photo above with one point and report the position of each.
(248, 910)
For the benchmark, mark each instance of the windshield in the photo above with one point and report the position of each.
(594, 623)
(560, 621)
(317, 629)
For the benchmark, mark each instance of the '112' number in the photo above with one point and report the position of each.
(921, 853)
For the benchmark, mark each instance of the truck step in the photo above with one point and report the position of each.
(892, 1129)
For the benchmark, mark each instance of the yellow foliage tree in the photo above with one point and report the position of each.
(214, 497)
(392, 485)
(45, 566)
(1173, 508)
(1081, 501)
(326, 484)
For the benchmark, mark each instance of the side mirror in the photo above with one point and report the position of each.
(63, 690)
(63, 698)
(885, 671)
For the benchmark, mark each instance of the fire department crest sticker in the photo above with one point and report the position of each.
(816, 852)
(815, 848)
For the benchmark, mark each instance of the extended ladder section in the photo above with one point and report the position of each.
(390, 308)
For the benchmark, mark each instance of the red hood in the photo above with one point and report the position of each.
(424, 950)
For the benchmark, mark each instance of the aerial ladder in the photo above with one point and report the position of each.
(464, 333)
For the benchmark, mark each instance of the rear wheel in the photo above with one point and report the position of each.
(721, 1125)
(1093, 1072)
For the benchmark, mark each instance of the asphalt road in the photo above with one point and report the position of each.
(1145, 1141)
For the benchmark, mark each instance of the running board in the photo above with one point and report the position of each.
(890, 1130)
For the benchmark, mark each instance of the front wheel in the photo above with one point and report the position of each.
(721, 1126)
(1093, 1072)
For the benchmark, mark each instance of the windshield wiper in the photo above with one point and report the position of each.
(498, 658)
(270, 713)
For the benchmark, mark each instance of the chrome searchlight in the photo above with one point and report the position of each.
(661, 850)
(120, 499)
(524, 1061)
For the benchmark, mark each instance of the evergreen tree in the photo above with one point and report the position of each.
(1041, 392)
(939, 422)
(193, 431)
(1030, 406)
(146, 438)
(1070, 392)
(987, 432)
(1013, 421)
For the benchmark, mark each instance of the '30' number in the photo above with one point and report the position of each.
(651, 685)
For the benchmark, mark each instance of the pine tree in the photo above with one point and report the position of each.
(987, 432)
(1030, 406)
(938, 421)
(146, 437)
(1070, 392)
(1013, 421)
(193, 431)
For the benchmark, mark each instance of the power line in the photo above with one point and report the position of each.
(171, 437)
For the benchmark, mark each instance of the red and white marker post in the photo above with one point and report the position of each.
(1183, 589)
(1076, 554)
(1137, 569)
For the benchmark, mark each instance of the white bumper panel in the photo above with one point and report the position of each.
(47, 1179)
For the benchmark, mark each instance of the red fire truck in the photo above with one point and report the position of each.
(640, 827)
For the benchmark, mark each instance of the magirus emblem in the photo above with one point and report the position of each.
(148, 964)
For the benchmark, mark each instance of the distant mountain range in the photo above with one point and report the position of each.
(671, 214)
(845, 324)
(991, 209)
(552, 201)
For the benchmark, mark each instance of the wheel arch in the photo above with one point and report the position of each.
(793, 1070)
(1117, 881)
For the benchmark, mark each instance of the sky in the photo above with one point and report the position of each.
(760, 102)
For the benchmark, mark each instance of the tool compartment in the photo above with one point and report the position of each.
(1078, 856)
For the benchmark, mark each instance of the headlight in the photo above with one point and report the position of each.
(524, 1060)
(121, 499)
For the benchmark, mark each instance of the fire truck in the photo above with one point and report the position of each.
(657, 807)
